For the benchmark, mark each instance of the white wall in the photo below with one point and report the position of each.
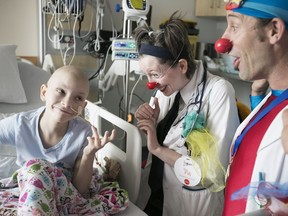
(19, 24)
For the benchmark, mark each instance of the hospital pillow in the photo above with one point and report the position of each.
(11, 88)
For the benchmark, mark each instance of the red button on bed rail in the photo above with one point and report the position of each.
(151, 85)
(223, 45)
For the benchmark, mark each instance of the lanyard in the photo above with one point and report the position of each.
(196, 101)
(274, 103)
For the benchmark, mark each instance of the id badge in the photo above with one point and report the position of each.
(187, 171)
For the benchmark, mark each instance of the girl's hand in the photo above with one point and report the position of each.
(95, 143)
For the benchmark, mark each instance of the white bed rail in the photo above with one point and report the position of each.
(130, 160)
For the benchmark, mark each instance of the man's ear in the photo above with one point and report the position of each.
(43, 90)
(183, 65)
(277, 30)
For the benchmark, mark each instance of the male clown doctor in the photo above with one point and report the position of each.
(257, 36)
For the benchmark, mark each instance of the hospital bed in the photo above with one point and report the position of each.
(31, 78)
(130, 158)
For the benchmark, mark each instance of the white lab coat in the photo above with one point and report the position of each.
(220, 109)
(271, 158)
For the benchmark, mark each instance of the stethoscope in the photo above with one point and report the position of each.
(153, 85)
(195, 101)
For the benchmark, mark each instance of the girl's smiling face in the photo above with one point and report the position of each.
(64, 94)
(170, 79)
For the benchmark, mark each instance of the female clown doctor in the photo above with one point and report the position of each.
(209, 98)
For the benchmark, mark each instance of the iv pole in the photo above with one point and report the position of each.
(126, 67)
(131, 14)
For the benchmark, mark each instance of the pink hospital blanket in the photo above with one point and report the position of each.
(41, 188)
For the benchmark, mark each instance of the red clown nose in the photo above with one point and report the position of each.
(151, 85)
(223, 45)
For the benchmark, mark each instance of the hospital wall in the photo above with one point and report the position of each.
(19, 21)
(20, 24)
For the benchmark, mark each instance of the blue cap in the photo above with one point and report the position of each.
(266, 9)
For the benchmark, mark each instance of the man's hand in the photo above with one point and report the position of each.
(259, 87)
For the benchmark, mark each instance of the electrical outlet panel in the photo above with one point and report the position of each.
(64, 42)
